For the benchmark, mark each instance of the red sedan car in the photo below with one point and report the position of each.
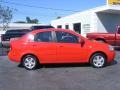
(54, 46)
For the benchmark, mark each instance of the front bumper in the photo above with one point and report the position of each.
(111, 56)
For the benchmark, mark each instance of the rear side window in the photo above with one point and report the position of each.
(65, 37)
(43, 37)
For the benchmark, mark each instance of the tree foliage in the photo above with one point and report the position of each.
(20, 22)
(29, 20)
(58, 17)
(5, 16)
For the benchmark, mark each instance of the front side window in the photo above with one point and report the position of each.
(65, 37)
(43, 37)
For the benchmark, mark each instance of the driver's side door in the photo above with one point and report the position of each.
(69, 49)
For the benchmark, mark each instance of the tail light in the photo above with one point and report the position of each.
(10, 47)
(30, 38)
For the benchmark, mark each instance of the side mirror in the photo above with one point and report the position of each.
(82, 42)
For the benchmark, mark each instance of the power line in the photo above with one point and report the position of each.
(40, 14)
(32, 6)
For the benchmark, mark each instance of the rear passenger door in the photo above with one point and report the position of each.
(45, 47)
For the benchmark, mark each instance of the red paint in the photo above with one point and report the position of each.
(56, 52)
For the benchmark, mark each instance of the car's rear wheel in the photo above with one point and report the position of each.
(98, 60)
(30, 62)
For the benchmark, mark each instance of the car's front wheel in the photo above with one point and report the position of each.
(30, 62)
(98, 60)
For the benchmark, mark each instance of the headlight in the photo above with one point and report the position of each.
(111, 48)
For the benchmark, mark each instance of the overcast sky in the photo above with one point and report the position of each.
(47, 10)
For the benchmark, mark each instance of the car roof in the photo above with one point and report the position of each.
(54, 29)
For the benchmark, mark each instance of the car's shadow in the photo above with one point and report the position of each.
(59, 65)
(67, 65)
(64, 65)
(112, 63)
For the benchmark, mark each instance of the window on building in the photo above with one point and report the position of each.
(118, 30)
(43, 37)
(65, 37)
(59, 26)
(67, 26)
(77, 27)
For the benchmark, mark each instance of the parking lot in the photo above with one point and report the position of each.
(59, 77)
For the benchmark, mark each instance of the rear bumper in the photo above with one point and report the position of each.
(13, 57)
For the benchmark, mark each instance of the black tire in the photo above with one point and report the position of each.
(98, 60)
(30, 62)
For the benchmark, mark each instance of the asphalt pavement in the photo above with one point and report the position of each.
(59, 77)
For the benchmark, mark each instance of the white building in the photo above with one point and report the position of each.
(100, 19)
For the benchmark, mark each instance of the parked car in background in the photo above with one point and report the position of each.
(58, 46)
(41, 27)
(110, 38)
(10, 34)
